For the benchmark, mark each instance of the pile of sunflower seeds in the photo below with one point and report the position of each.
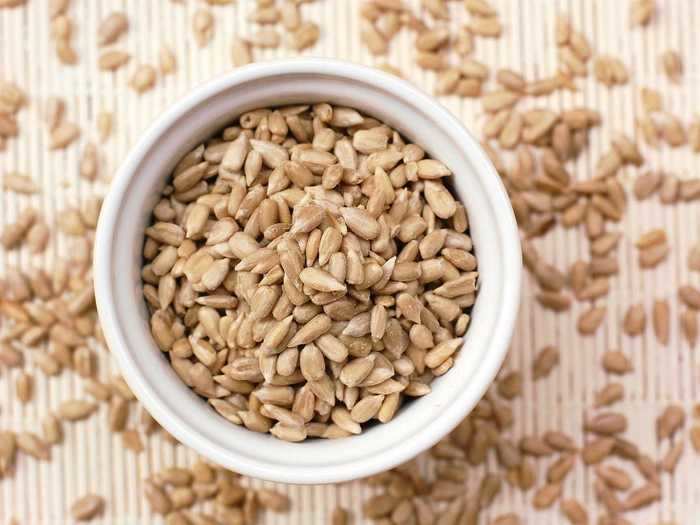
(308, 270)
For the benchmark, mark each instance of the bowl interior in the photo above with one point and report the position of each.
(183, 413)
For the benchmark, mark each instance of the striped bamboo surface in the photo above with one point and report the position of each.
(93, 460)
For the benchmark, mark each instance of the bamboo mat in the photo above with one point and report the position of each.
(93, 460)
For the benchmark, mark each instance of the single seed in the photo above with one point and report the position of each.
(606, 423)
(641, 13)
(635, 320)
(111, 28)
(660, 321)
(689, 326)
(616, 362)
(595, 451)
(669, 422)
(642, 496)
(590, 320)
(546, 495)
(574, 511)
(544, 362)
(672, 65)
(203, 26)
(609, 394)
(63, 135)
(87, 507)
(143, 78)
(240, 52)
(112, 60)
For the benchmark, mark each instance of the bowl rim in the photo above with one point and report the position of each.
(492, 186)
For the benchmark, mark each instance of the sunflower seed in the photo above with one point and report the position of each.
(689, 326)
(660, 321)
(546, 496)
(595, 451)
(113, 59)
(87, 507)
(642, 496)
(111, 28)
(591, 320)
(616, 362)
(143, 78)
(669, 422)
(672, 65)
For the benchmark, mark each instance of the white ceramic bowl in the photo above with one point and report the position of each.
(120, 236)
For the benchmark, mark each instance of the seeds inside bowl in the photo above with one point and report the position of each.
(308, 270)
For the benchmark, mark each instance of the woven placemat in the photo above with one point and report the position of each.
(93, 460)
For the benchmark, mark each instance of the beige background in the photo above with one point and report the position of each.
(93, 460)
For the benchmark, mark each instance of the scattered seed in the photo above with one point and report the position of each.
(203, 26)
(606, 423)
(157, 499)
(559, 469)
(609, 394)
(641, 12)
(143, 78)
(24, 387)
(642, 496)
(33, 445)
(610, 71)
(167, 64)
(635, 320)
(340, 516)
(76, 410)
(597, 450)
(240, 52)
(689, 326)
(544, 362)
(272, 500)
(63, 135)
(19, 183)
(690, 296)
(694, 438)
(112, 60)
(590, 320)
(660, 321)
(510, 385)
(616, 362)
(574, 511)
(672, 65)
(88, 507)
(654, 255)
(111, 28)
(669, 422)
(672, 457)
(51, 429)
(546, 495)
(305, 36)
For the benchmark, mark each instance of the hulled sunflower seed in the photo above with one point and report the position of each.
(87, 507)
(111, 28)
(143, 78)
(616, 362)
(689, 326)
(591, 320)
(672, 65)
(609, 394)
(669, 422)
(76, 410)
(660, 320)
